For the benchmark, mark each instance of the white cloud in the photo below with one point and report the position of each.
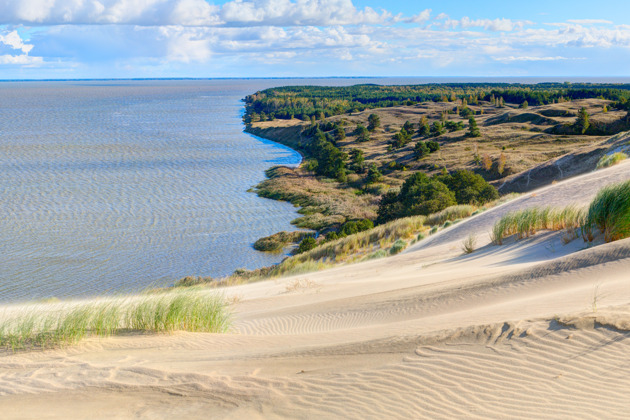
(530, 58)
(188, 12)
(420, 17)
(590, 21)
(497, 25)
(13, 40)
(20, 60)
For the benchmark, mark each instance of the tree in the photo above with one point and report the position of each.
(374, 122)
(418, 195)
(362, 133)
(437, 129)
(408, 127)
(523, 105)
(330, 160)
(401, 139)
(473, 130)
(421, 150)
(582, 124)
(423, 129)
(357, 160)
(340, 133)
(469, 187)
(433, 146)
(374, 175)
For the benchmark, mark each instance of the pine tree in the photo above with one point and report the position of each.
(374, 122)
(473, 130)
(582, 123)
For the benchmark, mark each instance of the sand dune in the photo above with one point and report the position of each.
(530, 329)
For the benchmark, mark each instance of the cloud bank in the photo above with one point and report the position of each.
(295, 37)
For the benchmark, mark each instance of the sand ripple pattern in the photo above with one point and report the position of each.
(489, 371)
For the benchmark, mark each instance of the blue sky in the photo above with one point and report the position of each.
(259, 38)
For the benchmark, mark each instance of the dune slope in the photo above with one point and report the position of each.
(531, 329)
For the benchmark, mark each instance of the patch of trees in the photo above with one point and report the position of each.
(423, 195)
(320, 102)
(331, 162)
(424, 148)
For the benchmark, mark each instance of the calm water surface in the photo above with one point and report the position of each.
(113, 186)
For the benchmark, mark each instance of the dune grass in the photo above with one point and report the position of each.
(452, 213)
(610, 160)
(469, 244)
(526, 222)
(58, 324)
(610, 213)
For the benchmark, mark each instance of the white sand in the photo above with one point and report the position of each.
(531, 329)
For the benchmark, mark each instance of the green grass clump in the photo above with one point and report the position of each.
(526, 222)
(469, 244)
(610, 213)
(381, 253)
(452, 213)
(610, 160)
(50, 325)
(397, 247)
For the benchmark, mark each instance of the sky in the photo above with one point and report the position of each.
(66, 39)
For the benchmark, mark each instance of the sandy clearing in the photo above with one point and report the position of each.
(531, 329)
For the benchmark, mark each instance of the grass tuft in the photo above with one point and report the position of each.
(610, 160)
(58, 324)
(610, 213)
(398, 247)
(469, 244)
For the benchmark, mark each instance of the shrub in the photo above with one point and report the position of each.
(397, 247)
(352, 227)
(306, 244)
(610, 160)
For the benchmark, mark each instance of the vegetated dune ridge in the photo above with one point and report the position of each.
(530, 329)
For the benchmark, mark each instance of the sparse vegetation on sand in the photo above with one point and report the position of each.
(610, 160)
(609, 212)
(57, 324)
(469, 244)
(452, 213)
(278, 241)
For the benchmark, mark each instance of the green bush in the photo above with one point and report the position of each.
(469, 187)
(306, 244)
